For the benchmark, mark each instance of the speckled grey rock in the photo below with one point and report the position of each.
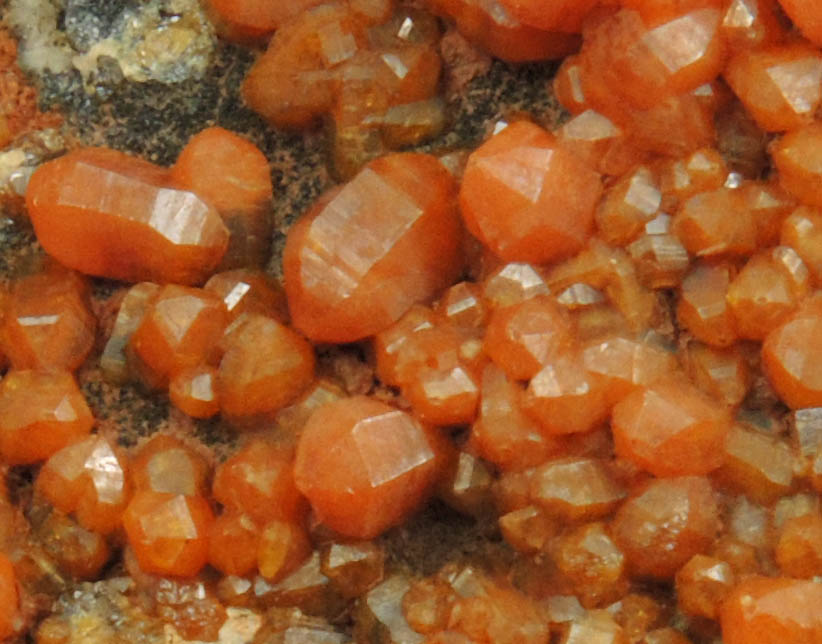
(88, 21)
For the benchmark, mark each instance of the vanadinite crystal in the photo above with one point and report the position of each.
(105, 213)
(88, 478)
(40, 413)
(352, 267)
(251, 19)
(179, 328)
(374, 73)
(168, 532)
(259, 481)
(47, 323)
(9, 606)
(671, 429)
(246, 290)
(364, 465)
(663, 525)
(787, 356)
(266, 365)
(166, 464)
(495, 28)
(526, 197)
(767, 611)
(233, 176)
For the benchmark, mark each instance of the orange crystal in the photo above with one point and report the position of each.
(232, 544)
(756, 464)
(666, 523)
(807, 17)
(796, 156)
(654, 12)
(352, 267)
(115, 360)
(772, 610)
(104, 213)
(592, 564)
(232, 175)
(389, 345)
(671, 429)
(527, 198)
(680, 179)
(779, 85)
(512, 283)
(600, 143)
(563, 15)
(503, 434)
(625, 364)
(674, 127)
(166, 464)
(462, 304)
(354, 567)
(567, 86)
(625, 59)
(179, 330)
(752, 23)
(788, 357)
(802, 231)
(47, 322)
(593, 626)
(440, 375)
(265, 366)
(10, 620)
(565, 398)
(248, 290)
(527, 529)
(79, 552)
(610, 270)
(799, 549)
(722, 373)
(258, 481)
(494, 28)
(702, 584)
(40, 413)
(88, 478)
(168, 532)
(703, 309)
(294, 81)
(193, 390)
(716, 223)
(767, 290)
(253, 19)
(525, 337)
(770, 205)
(627, 206)
(282, 547)
(365, 466)
(575, 488)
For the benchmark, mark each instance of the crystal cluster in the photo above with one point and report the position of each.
(600, 343)
(220, 348)
(372, 74)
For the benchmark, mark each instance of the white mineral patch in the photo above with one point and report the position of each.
(160, 40)
(18, 163)
(240, 628)
(164, 40)
(42, 46)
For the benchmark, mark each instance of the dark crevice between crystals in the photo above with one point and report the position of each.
(438, 535)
